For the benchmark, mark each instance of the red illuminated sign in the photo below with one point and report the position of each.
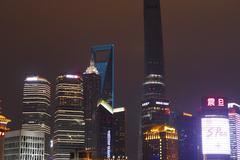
(221, 102)
(215, 102)
(211, 102)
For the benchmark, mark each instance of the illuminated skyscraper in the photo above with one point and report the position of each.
(110, 121)
(110, 132)
(214, 129)
(103, 56)
(91, 93)
(160, 143)
(24, 145)
(155, 108)
(36, 103)
(234, 120)
(69, 125)
(155, 112)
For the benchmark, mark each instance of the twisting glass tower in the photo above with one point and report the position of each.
(155, 108)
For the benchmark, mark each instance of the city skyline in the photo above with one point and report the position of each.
(192, 37)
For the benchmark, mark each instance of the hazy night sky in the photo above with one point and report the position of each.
(201, 39)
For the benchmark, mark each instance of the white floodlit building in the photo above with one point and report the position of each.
(24, 145)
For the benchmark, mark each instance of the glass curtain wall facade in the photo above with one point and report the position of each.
(234, 121)
(119, 133)
(110, 121)
(104, 146)
(36, 103)
(111, 133)
(69, 125)
(153, 86)
(91, 93)
(103, 56)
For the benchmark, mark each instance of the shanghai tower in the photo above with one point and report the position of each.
(153, 50)
(155, 109)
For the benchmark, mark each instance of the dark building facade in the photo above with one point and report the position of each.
(36, 103)
(155, 107)
(153, 50)
(104, 118)
(154, 112)
(111, 132)
(187, 136)
(153, 38)
(119, 133)
(69, 125)
(91, 93)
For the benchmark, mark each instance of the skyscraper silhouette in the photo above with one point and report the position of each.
(91, 95)
(153, 50)
(155, 108)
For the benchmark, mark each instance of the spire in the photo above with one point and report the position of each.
(91, 69)
(92, 62)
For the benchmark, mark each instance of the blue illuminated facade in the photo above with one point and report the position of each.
(109, 120)
(104, 60)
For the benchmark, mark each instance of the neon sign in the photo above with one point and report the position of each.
(214, 102)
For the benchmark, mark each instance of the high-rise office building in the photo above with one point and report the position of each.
(160, 142)
(154, 108)
(119, 133)
(234, 120)
(214, 129)
(111, 133)
(187, 136)
(91, 94)
(110, 121)
(103, 56)
(69, 125)
(36, 103)
(104, 118)
(24, 145)
(155, 111)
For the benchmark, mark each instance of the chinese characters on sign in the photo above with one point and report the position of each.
(215, 102)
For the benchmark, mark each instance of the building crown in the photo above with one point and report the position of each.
(92, 68)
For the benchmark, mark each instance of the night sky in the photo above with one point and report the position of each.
(48, 38)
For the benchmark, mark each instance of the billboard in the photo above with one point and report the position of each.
(215, 136)
(214, 102)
